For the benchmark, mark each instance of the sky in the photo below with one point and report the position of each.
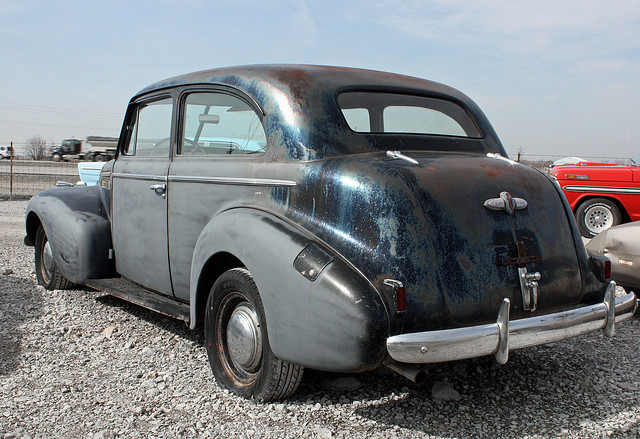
(556, 78)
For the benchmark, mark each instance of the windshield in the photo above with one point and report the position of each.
(376, 112)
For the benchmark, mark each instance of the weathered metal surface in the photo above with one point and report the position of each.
(337, 322)
(78, 230)
(302, 118)
(427, 226)
(416, 215)
(134, 293)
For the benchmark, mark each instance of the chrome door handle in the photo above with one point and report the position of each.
(159, 189)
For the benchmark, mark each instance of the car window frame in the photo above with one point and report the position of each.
(181, 98)
(131, 123)
(412, 93)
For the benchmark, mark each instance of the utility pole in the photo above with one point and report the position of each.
(11, 173)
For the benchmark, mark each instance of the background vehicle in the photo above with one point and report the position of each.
(5, 152)
(273, 205)
(95, 148)
(601, 195)
(621, 244)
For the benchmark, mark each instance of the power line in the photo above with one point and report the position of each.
(58, 111)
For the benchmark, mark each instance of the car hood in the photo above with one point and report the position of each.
(424, 222)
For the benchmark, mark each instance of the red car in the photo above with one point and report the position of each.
(601, 195)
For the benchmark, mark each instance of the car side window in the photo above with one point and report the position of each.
(378, 112)
(219, 123)
(151, 133)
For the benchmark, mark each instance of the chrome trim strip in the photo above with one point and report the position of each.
(489, 339)
(139, 176)
(604, 190)
(232, 180)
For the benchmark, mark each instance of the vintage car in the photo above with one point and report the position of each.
(328, 218)
(601, 195)
(621, 244)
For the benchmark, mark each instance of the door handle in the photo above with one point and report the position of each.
(159, 189)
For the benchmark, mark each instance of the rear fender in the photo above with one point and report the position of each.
(328, 318)
(77, 228)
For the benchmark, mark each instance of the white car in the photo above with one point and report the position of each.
(5, 152)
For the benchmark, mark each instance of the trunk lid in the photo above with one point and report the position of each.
(478, 250)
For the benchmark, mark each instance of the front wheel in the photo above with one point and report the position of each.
(597, 215)
(47, 273)
(238, 345)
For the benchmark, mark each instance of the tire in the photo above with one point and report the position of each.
(238, 345)
(98, 158)
(597, 215)
(57, 157)
(46, 271)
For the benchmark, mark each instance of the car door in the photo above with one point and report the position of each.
(139, 220)
(221, 144)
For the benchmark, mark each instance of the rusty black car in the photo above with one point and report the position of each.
(328, 218)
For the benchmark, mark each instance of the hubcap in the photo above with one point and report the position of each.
(47, 259)
(244, 338)
(598, 218)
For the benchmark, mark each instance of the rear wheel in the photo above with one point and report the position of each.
(238, 344)
(47, 273)
(596, 215)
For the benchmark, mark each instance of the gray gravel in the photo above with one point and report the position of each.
(81, 364)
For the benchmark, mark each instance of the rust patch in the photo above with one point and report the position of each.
(491, 172)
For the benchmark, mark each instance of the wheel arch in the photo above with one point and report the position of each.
(213, 268)
(32, 223)
(337, 321)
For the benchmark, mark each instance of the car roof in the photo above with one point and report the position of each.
(304, 79)
(302, 100)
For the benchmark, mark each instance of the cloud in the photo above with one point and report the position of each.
(567, 28)
(303, 24)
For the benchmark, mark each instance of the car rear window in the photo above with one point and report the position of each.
(377, 112)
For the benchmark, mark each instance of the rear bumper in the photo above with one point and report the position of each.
(504, 335)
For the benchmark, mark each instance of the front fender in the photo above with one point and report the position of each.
(336, 322)
(78, 230)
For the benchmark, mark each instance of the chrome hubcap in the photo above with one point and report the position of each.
(47, 259)
(244, 338)
(598, 218)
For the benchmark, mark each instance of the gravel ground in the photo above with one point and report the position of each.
(81, 364)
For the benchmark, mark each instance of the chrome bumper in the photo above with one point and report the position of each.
(504, 335)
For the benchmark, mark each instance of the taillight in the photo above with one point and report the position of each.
(603, 265)
(399, 292)
(401, 299)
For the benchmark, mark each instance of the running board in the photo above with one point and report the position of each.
(127, 290)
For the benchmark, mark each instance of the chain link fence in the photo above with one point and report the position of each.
(21, 179)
